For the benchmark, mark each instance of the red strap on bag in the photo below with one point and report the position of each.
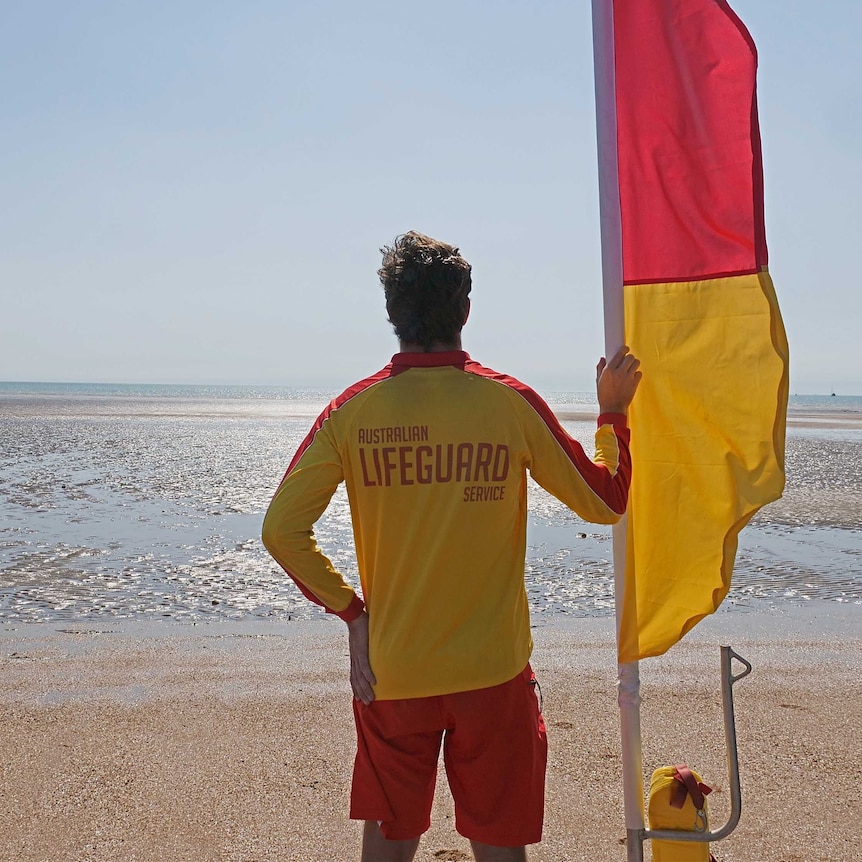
(687, 785)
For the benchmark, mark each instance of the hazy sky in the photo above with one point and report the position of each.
(197, 191)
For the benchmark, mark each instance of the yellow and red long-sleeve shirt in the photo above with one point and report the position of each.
(434, 450)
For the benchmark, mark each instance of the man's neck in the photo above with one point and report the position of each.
(437, 347)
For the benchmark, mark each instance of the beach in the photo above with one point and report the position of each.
(167, 694)
(234, 742)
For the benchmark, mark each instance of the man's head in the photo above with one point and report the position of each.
(427, 285)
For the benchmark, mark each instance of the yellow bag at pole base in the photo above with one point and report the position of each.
(677, 800)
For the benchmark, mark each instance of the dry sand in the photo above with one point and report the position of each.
(235, 742)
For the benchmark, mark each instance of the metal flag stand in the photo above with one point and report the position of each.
(727, 682)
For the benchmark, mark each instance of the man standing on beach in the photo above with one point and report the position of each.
(434, 450)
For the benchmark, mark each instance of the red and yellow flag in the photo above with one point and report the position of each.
(700, 311)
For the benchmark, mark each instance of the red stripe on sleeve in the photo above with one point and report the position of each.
(356, 606)
(611, 488)
(338, 401)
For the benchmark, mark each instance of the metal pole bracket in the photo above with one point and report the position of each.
(728, 678)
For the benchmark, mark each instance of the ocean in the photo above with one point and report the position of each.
(145, 502)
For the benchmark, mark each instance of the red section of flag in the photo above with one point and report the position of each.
(691, 180)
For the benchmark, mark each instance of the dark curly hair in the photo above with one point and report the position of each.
(427, 284)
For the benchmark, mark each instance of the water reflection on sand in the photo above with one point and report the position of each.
(149, 508)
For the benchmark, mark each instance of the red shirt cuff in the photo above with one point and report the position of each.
(618, 419)
(352, 611)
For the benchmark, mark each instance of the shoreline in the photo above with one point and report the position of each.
(756, 621)
(128, 660)
(225, 741)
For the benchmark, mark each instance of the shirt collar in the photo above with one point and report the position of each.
(430, 360)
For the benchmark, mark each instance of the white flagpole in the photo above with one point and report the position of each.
(628, 680)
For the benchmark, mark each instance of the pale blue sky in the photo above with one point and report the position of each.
(196, 191)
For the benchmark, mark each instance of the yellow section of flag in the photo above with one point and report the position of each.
(708, 429)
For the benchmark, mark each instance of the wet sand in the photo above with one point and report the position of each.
(234, 742)
(797, 417)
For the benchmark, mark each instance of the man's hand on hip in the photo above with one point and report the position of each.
(361, 676)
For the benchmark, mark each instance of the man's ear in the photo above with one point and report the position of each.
(467, 313)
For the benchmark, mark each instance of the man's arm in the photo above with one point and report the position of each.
(301, 499)
(596, 488)
(288, 534)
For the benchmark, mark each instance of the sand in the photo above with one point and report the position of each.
(234, 741)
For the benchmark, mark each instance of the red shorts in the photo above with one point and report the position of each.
(494, 749)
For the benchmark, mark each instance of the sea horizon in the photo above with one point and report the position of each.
(286, 391)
